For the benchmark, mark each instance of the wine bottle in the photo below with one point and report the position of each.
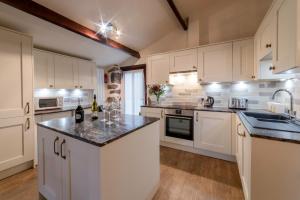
(94, 108)
(79, 113)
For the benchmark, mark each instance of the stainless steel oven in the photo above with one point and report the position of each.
(180, 123)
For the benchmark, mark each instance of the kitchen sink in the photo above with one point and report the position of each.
(271, 121)
(266, 116)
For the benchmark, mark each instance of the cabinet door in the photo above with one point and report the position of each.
(16, 141)
(43, 69)
(49, 168)
(266, 39)
(213, 131)
(157, 113)
(16, 77)
(184, 60)
(215, 63)
(158, 69)
(64, 72)
(285, 50)
(247, 164)
(239, 147)
(85, 74)
(243, 60)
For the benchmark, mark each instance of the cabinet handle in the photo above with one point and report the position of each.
(76, 86)
(27, 108)
(194, 67)
(61, 149)
(51, 86)
(268, 45)
(199, 79)
(167, 82)
(237, 130)
(54, 146)
(253, 77)
(271, 68)
(81, 86)
(161, 114)
(27, 124)
(197, 117)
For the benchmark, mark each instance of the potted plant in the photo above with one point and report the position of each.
(157, 90)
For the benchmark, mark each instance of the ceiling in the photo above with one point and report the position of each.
(142, 22)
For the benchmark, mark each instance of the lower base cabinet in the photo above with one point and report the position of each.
(158, 113)
(212, 131)
(269, 169)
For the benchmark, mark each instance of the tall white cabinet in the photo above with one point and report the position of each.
(16, 104)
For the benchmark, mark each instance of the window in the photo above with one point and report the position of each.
(134, 91)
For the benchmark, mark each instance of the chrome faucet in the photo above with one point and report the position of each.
(291, 111)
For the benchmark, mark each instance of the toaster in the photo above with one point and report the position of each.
(238, 103)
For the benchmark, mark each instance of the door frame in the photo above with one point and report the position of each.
(138, 67)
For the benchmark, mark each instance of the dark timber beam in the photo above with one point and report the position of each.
(44, 13)
(182, 22)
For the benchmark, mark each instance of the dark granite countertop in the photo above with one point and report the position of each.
(64, 109)
(97, 132)
(285, 136)
(197, 108)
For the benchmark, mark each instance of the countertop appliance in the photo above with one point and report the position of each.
(238, 103)
(208, 102)
(180, 123)
(45, 103)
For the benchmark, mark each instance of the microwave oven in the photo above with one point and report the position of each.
(44, 103)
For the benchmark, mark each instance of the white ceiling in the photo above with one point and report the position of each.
(142, 22)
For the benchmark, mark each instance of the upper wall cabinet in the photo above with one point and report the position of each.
(185, 60)
(44, 69)
(63, 72)
(265, 38)
(83, 71)
(243, 60)
(286, 54)
(215, 63)
(158, 69)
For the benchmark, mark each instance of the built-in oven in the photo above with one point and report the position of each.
(179, 124)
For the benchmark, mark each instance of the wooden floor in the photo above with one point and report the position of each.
(184, 176)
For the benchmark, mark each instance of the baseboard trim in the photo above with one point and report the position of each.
(203, 152)
(16, 169)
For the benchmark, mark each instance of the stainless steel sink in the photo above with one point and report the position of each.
(271, 121)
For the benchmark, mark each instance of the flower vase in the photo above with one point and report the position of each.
(157, 100)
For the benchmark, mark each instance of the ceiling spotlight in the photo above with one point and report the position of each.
(108, 29)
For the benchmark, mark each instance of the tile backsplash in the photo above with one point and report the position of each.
(70, 96)
(258, 93)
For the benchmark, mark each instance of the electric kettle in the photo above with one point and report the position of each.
(209, 102)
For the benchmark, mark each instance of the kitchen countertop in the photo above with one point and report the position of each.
(197, 108)
(64, 109)
(97, 132)
(271, 134)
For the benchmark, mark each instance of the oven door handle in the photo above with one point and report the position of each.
(179, 117)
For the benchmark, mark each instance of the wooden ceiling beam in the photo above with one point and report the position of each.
(44, 13)
(183, 23)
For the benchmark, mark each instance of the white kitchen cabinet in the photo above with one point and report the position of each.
(182, 61)
(158, 68)
(158, 113)
(16, 104)
(286, 53)
(215, 63)
(44, 69)
(243, 60)
(64, 72)
(212, 131)
(84, 73)
(266, 38)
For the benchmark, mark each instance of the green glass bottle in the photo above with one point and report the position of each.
(94, 108)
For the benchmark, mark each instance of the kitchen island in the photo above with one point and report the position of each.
(94, 161)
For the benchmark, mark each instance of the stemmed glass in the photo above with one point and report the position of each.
(109, 110)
